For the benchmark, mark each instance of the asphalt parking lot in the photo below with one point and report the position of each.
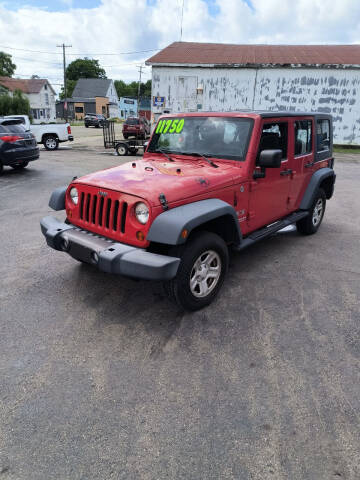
(102, 378)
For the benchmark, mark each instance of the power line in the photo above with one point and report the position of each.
(79, 53)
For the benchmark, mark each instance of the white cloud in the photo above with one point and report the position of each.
(132, 25)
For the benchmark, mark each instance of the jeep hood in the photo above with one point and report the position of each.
(149, 178)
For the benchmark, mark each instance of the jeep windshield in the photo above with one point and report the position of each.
(218, 137)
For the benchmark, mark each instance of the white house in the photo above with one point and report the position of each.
(192, 77)
(40, 93)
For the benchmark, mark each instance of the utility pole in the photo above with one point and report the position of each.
(138, 95)
(63, 46)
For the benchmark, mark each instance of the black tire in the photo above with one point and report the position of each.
(121, 149)
(20, 166)
(133, 150)
(51, 142)
(86, 126)
(310, 224)
(97, 125)
(199, 250)
(126, 136)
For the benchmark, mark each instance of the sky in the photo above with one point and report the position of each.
(111, 30)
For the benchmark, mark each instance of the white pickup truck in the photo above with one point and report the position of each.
(50, 134)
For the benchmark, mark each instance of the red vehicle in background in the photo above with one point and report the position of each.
(137, 127)
(207, 182)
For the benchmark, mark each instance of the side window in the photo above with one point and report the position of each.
(323, 135)
(274, 136)
(303, 137)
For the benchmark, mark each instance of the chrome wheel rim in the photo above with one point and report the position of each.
(121, 150)
(51, 143)
(318, 212)
(205, 274)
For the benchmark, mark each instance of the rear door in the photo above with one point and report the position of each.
(269, 195)
(301, 158)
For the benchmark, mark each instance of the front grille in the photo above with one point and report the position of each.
(103, 212)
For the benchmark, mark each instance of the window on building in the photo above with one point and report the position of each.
(45, 86)
(303, 137)
(323, 135)
(79, 109)
(274, 137)
(47, 98)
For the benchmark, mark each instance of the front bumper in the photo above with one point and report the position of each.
(107, 255)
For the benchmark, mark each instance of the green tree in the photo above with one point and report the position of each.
(15, 105)
(7, 67)
(81, 68)
(131, 89)
(20, 104)
(84, 68)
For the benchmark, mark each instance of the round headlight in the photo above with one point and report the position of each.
(74, 195)
(142, 212)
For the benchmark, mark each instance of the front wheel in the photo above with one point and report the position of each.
(51, 142)
(201, 273)
(311, 223)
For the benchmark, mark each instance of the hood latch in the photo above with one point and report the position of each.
(163, 202)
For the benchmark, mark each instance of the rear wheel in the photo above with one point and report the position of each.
(51, 142)
(20, 166)
(201, 273)
(311, 223)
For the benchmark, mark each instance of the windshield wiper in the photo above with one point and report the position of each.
(204, 156)
(164, 153)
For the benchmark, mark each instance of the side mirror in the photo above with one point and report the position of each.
(267, 159)
(270, 159)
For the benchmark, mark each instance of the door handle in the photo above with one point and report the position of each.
(286, 172)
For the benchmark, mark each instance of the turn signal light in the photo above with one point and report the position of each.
(140, 236)
(184, 233)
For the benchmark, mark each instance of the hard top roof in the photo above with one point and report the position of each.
(252, 113)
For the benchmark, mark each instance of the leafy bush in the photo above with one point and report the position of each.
(15, 105)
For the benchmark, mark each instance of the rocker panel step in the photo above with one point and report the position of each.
(272, 228)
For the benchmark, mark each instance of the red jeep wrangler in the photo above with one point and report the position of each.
(207, 182)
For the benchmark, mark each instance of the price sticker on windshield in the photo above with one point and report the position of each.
(172, 125)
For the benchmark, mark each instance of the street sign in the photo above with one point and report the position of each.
(159, 101)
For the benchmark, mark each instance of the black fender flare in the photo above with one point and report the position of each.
(168, 226)
(57, 199)
(315, 181)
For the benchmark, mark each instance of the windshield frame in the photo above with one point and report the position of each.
(153, 144)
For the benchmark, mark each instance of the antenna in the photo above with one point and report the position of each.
(182, 16)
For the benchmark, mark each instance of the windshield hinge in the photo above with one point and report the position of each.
(163, 201)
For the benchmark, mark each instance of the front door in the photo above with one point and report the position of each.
(269, 195)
